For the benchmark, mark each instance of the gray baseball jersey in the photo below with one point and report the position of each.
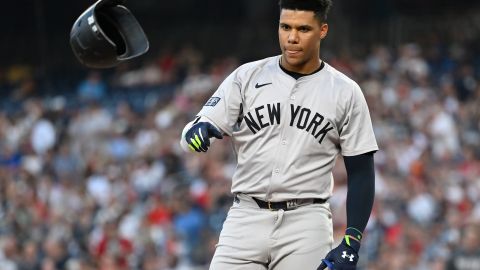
(286, 132)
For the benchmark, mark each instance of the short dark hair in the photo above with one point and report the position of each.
(319, 7)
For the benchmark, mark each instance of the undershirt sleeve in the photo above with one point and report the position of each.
(361, 189)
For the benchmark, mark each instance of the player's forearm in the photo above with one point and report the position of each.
(361, 190)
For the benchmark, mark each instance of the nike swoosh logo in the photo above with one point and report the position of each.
(261, 85)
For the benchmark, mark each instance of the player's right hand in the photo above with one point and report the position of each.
(198, 136)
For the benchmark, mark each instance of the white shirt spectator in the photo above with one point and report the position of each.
(99, 188)
(43, 136)
(444, 133)
(422, 208)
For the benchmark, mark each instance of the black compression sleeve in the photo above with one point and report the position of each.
(361, 189)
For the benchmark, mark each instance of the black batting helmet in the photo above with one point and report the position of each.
(106, 34)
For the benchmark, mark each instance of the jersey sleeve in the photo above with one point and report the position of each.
(223, 107)
(356, 135)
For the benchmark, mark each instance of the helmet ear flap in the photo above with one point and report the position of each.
(125, 30)
(111, 30)
(106, 34)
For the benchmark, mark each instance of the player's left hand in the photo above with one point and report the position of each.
(343, 257)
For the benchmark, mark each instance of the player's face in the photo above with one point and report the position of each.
(299, 34)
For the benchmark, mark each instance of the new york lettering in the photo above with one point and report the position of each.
(304, 121)
(300, 118)
(272, 111)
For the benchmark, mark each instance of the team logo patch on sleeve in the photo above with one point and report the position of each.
(212, 101)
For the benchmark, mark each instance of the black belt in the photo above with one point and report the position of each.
(287, 205)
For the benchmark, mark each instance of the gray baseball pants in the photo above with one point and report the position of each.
(257, 239)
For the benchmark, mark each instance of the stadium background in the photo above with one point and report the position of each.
(91, 175)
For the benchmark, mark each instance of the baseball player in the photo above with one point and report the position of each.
(289, 116)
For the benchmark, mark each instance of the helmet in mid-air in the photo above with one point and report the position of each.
(106, 34)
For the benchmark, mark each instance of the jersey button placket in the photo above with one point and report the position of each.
(274, 181)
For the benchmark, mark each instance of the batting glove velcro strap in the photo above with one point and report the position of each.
(345, 256)
(198, 136)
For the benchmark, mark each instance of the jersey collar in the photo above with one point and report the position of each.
(297, 75)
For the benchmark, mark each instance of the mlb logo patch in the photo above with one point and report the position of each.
(212, 101)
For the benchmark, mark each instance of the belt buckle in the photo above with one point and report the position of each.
(292, 204)
(269, 203)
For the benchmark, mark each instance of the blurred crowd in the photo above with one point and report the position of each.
(94, 178)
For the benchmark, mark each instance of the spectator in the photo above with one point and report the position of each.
(113, 250)
(93, 88)
(467, 256)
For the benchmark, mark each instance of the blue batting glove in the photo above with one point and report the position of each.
(345, 256)
(198, 136)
